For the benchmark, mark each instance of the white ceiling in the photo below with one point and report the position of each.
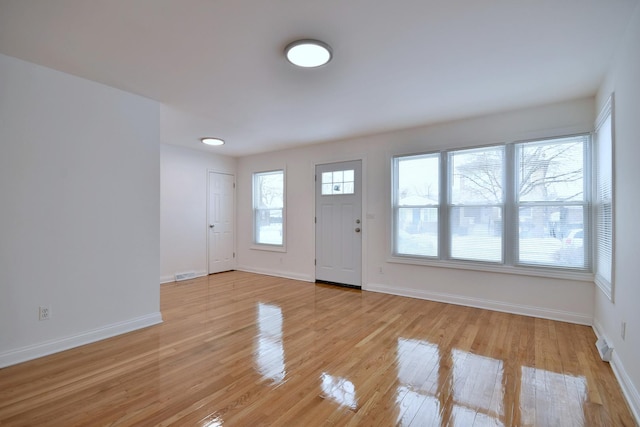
(218, 65)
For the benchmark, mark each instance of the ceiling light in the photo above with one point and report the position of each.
(308, 53)
(212, 141)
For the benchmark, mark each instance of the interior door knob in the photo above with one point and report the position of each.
(358, 230)
(211, 226)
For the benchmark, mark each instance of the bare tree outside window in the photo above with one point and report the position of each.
(547, 209)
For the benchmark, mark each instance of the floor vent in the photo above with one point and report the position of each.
(185, 276)
(604, 350)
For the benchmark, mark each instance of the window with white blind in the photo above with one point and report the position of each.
(476, 204)
(417, 204)
(603, 200)
(552, 203)
(268, 208)
(524, 204)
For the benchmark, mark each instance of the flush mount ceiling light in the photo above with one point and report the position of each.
(212, 141)
(308, 53)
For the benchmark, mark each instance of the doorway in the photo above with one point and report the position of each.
(220, 222)
(339, 223)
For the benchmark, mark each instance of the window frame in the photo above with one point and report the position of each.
(585, 203)
(607, 113)
(510, 235)
(255, 209)
(396, 206)
(450, 205)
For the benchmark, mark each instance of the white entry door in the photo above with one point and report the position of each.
(220, 218)
(339, 223)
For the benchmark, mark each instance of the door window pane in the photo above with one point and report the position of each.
(338, 182)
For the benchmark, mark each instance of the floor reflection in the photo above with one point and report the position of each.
(269, 355)
(418, 366)
(213, 421)
(460, 388)
(556, 399)
(340, 390)
(477, 387)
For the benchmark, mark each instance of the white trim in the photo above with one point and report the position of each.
(608, 112)
(629, 390)
(277, 273)
(605, 287)
(171, 279)
(167, 279)
(496, 268)
(267, 247)
(524, 310)
(46, 348)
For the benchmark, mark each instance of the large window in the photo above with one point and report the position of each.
(476, 204)
(521, 204)
(603, 201)
(417, 203)
(552, 202)
(268, 208)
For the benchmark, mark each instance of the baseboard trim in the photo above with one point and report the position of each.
(172, 278)
(525, 310)
(277, 273)
(35, 351)
(629, 390)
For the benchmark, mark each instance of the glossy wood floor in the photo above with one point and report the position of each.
(239, 349)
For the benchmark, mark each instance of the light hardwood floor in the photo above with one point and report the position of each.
(240, 349)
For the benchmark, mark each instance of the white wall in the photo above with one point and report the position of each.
(183, 208)
(79, 217)
(623, 78)
(553, 298)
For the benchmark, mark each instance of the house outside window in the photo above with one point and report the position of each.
(524, 205)
(268, 208)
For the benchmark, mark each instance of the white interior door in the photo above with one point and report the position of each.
(220, 217)
(339, 223)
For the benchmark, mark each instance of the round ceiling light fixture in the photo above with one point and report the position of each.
(212, 141)
(308, 53)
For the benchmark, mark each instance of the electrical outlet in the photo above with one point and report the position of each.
(44, 313)
(623, 329)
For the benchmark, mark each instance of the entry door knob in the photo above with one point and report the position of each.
(358, 230)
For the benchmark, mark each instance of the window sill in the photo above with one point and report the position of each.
(268, 248)
(523, 271)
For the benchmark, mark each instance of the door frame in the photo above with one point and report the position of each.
(206, 224)
(366, 216)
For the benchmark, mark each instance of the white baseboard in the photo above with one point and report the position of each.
(167, 279)
(545, 313)
(34, 351)
(629, 390)
(172, 278)
(277, 273)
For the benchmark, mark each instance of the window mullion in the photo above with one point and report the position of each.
(510, 210)
(444, 214)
